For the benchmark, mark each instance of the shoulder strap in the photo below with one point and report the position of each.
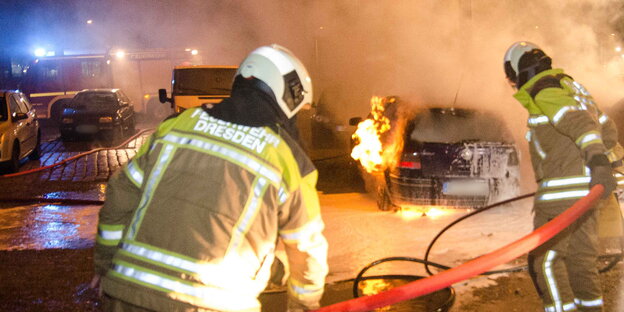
(547, 82)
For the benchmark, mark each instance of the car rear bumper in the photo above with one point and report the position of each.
(451, 192)
(86, 128)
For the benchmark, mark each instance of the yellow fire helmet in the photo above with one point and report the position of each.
(283, 73)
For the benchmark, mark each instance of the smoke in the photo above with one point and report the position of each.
(427, 52)
(223, 31)
(450, 53)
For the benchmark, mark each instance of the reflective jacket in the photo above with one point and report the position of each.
(566, 129)
(192, 221)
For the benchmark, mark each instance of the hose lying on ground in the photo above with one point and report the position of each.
(473, 267)
(11, 175)
(488, 207)
(615, 258)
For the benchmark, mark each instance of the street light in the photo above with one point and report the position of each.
(89, 22)
(120, 54)
(39, 52)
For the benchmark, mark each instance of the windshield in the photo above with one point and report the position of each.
(94, 101)
(203, 81)
(3, 108)
(458, 125)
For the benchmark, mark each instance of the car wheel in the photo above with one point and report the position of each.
(383, 199)
(13, 163)
(56, 113)
(66, 136)
(132, 125)
(116, 133)
(36, 153)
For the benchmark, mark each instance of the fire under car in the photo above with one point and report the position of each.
(451, 157)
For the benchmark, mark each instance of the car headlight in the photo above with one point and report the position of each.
(66, 120)
(106, 119)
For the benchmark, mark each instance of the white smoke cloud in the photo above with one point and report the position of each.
(427, 52)
(445, 53)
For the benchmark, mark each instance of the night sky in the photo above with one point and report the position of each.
(25, 24)
(62, 24)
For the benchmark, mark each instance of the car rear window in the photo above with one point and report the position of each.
(3, 108)
(94, 101)
(459, 125)
(201, 81)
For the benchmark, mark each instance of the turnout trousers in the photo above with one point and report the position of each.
(564, 269)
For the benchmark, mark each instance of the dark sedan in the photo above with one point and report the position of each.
(98, 111)
(454, 157)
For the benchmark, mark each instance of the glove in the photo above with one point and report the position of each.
(601, 173)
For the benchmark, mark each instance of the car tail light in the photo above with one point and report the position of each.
(409, 164)
(410, 160)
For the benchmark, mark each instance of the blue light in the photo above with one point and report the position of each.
(39, 52)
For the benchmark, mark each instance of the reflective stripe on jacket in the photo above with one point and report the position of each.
(193, 219)
(566, 128)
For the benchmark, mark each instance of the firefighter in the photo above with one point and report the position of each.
(191, 222)
(573, 146)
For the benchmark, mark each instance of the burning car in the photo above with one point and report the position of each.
(453, 157)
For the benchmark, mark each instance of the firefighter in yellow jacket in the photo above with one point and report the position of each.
(191, 222)
(572, 146)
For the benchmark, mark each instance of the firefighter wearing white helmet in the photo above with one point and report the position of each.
(191, 222)
(534, 60)
(283, 73)
(573, 146)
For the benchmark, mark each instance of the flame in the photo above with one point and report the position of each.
(369, 148)
(375, 286)
(411, 212)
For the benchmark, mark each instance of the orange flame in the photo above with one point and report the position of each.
(369, 148)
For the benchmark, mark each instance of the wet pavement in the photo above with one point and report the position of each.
(34, 209)
(36, 227)
(94, 167)
(46, 248)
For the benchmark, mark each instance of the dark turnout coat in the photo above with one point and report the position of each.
(192, 221)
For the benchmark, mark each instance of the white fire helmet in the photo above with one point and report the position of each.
(513, 55)
(283, 73)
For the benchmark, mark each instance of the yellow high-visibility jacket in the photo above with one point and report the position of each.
(192, 221)
(566, 129)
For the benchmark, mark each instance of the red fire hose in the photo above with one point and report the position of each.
(474, 267)
(21, 173)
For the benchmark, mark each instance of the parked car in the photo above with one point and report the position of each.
(98, 111)
(20, 135)
(455, 157)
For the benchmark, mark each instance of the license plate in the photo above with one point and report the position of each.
(87, 128)
(466, 188)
